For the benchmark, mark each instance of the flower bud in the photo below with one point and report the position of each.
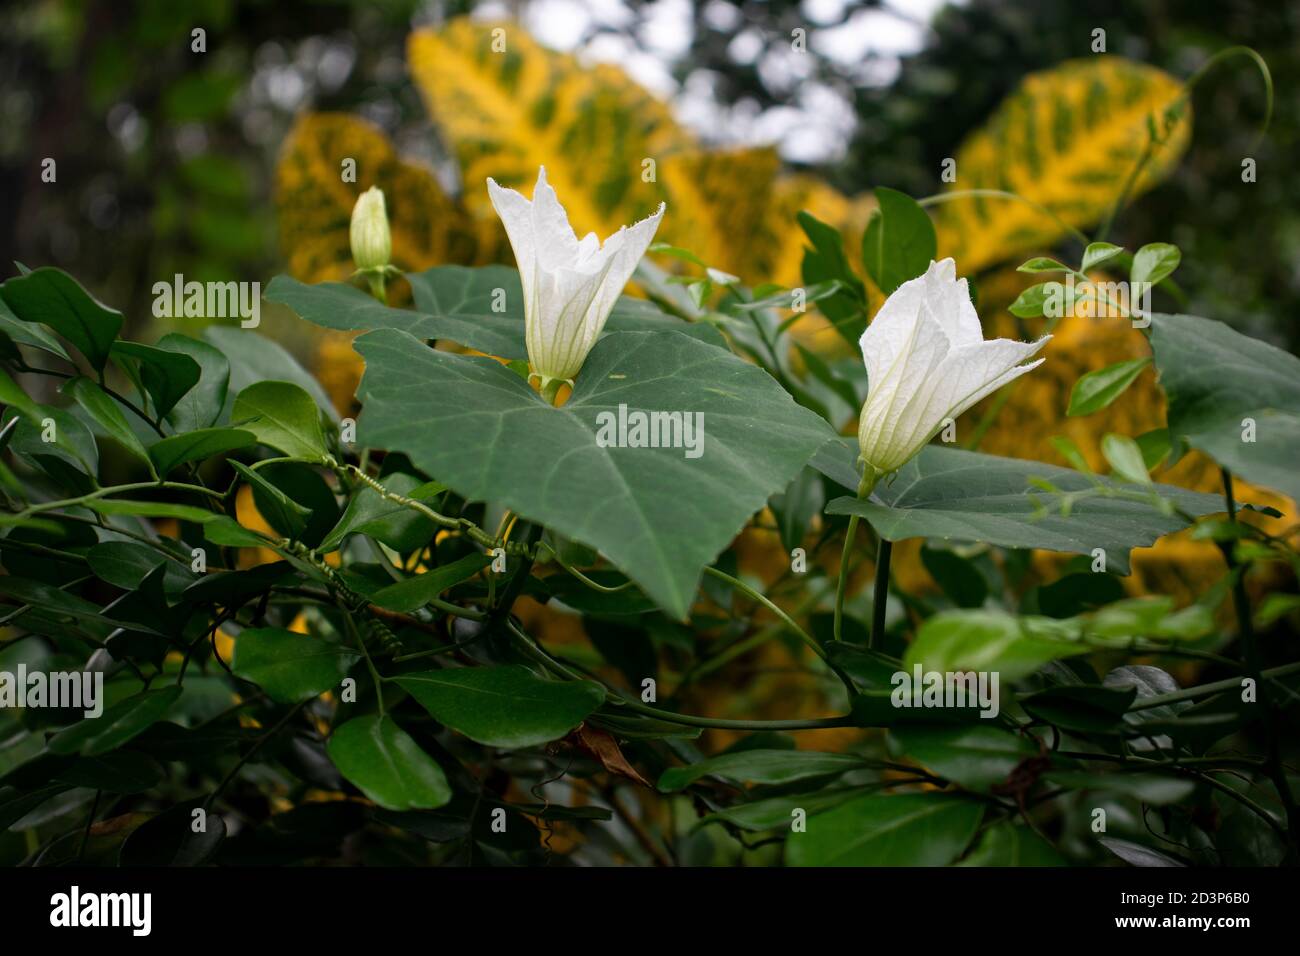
(372, 244)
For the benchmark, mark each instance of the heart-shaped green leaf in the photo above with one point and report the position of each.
(1233, 397)
(967, 496)
(657, 513)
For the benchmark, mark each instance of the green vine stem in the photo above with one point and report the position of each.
(1250, 655)
(865, 486)
(787, 620)
(594, 585)
(880, 597)
(251, 751)
(355, 633)
(1207, 690)
(747, 644)
(471, 530)
(114, 490)
(463, 525)
(129, 405)
(530, 648)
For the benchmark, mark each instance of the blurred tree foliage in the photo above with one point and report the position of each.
(976, 55)
(167, 156)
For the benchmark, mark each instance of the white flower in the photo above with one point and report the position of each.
(927, 361)
(372, 244)
(570, 286)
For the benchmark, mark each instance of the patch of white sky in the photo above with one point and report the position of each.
(866, 45)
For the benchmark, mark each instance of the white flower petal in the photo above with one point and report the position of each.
(894, 395)
(624, 249)
(516, 214)
(891, 333)
(570, 285)
(559, 346)
(927, 361)
(948, 298)
(557, 244)
(970, 374)
(589, 253)
(984, 368)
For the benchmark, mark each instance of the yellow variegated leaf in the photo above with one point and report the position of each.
(735, 210)
(718, 206)
(315, 204)
(506, 106)
(779, 243)
(1068, 139)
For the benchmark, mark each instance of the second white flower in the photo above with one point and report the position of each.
(927, 361)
